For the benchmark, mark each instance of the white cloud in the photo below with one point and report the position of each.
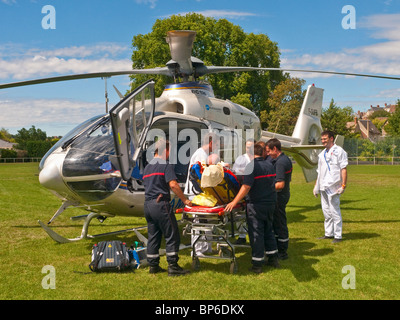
(226, 14)
(46, 112)
(9, 2)
(385, 26)
(152, 3)
(55, 116)
(379, 58)
(220, 14)
(18, 63)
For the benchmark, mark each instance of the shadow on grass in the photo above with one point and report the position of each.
(303, 253)
(296, 212)
(302, 256)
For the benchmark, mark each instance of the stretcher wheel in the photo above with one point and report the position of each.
(196, 264)
(224, 252)
(234, 267)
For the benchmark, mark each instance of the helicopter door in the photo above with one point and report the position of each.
(130, 120)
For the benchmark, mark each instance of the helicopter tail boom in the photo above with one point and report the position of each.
(305, 141)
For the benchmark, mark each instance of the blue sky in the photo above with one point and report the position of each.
(93, 36)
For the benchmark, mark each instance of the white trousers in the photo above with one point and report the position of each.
(333, 218)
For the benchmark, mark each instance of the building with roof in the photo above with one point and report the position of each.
(6, 145)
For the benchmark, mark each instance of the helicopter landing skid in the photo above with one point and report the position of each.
(84, 234)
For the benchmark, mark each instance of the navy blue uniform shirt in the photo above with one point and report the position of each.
(283, 168)
(157, 174)
(260, 176)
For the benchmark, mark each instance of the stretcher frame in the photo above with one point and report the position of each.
(210, 224)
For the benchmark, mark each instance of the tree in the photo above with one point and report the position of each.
(5, 135)
(285, 103)
(379, 114)
(24, 138)
(335, 118)
(218, 42)
(393, 125)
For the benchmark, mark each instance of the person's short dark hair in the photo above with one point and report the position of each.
(274, 143)
(160, 146)
(258, 149)
(262, 143)
(328, 133)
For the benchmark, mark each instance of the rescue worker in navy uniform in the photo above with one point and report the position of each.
(283, 167)
(259, 189)
(159, 178)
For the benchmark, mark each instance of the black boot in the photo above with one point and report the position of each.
(256, 269)
(176, 270)
(283, 255)
(273, 261)
(156, 269)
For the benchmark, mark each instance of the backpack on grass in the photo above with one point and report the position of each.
(110, 256)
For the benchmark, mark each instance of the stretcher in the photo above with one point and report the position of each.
(213, 224)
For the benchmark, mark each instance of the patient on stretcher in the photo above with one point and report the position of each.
(214, 184)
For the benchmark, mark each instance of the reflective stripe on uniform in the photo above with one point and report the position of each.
(257, 259)
(271, 252)
(171, 253)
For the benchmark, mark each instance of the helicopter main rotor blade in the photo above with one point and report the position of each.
(154, 71)
(200, 71)
(215, 69)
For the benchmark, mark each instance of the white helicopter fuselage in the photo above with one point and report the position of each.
(188, 105)
(71, 169)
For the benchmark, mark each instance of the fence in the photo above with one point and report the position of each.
(374, 160)
(19, 160)
(362, 151)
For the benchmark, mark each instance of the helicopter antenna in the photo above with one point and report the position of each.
(106, 93)
(276, 128)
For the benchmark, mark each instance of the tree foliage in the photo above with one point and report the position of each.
(285, 103)
(393, 125)
(33, 140)
(5, 135)
(220, 43)
(31, 134)
(378, 114)
(37, 149)
(335, 118)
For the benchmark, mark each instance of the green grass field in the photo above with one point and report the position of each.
(370, 209)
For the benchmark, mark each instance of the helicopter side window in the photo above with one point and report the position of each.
(230, 146)
(185, 136)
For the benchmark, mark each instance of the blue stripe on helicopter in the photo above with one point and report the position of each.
(187, 85)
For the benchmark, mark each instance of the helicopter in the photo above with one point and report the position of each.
(98, 165)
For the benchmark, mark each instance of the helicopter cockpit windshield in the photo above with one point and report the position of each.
(75, 132)
(90, 167)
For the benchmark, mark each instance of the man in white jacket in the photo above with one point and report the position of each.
(331, 183)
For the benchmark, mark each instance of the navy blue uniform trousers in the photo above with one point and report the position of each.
(261, 235)
(280, 222)
(161, 221)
